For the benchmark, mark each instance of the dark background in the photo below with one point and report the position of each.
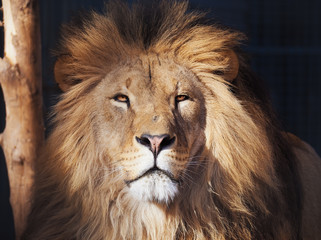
(284, 45)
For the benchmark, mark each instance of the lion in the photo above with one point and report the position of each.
(163, 132)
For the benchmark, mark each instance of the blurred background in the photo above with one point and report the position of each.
(284, 45)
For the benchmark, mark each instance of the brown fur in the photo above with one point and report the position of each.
(239, 178)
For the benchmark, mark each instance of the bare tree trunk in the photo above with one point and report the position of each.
(20, 78)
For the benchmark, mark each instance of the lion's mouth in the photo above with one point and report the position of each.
(154, 171)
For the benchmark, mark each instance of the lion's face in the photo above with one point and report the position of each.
(149, 119)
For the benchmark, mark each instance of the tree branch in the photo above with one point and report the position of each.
(7, 71)
(4, 68)
(1, 139)
(20, 78)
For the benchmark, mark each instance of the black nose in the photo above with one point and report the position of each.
(156, 143)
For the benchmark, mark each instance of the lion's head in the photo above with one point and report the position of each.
(158, 109)
(161, 133)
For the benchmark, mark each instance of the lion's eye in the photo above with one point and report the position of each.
(180, 98)
(121, 98)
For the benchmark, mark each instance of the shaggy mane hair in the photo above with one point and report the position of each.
(250, 187)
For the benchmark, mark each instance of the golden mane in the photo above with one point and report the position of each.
(248, 186)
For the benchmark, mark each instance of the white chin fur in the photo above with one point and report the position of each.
(154, 187)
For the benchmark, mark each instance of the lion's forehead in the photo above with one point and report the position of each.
(150, 76)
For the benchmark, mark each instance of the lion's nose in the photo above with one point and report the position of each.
(156, 143)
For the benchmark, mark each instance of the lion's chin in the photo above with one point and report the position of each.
(156, 187)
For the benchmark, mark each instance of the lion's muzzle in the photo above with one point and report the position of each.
(156, 143)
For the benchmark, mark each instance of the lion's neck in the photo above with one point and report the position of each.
(141, 220)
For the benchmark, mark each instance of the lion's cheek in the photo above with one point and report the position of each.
(192, 114)
(110, 132)
(134, 162)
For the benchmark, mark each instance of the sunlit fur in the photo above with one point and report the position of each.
(245, 182)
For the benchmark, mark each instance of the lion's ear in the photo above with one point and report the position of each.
(61, 72)
(233, 65)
